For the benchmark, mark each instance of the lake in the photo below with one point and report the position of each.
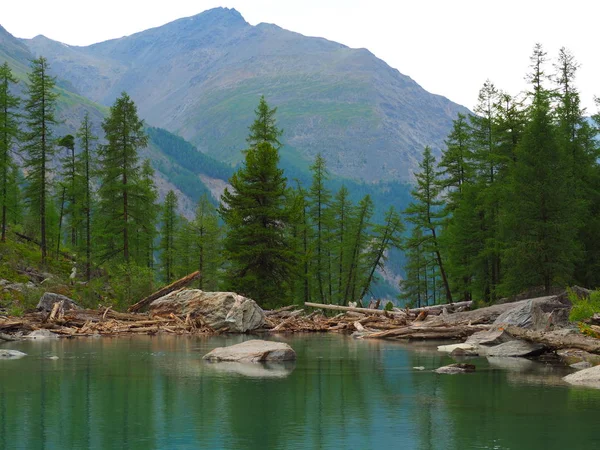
(156, 392)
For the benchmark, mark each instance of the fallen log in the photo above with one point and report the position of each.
(448, 306)
(380, 312)
(182, 282)
(427, 332)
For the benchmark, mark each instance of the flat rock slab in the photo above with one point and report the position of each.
(515, 349)
(450, 348)
(587, 377)
(489, 337)
(581, 365)
(253, 351)
(453, 369)
(11, 354)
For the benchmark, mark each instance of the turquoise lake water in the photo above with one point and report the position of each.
(342, 393)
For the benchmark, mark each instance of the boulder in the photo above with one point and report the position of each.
(41, 334)
(226, 311)
(515, 348)
(489, 337)
(540, 314)
(253, 351)
(49, 299)
(587, 377)
(453, 369)
(11, 354)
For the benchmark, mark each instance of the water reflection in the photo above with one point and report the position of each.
(156, 392)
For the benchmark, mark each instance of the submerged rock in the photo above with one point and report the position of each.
(11, 354)
(587, 377)
(464, 352)
(515, 348)
(581, 365)
(253, 351)
(265, 370)
(450, 348)
(453, 369)
(219, 310)
(48, 300)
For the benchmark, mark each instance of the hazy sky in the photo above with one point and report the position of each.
(450, 47)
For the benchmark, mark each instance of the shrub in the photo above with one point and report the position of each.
(584, 308)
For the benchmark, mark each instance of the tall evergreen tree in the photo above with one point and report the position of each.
(168, 232)
(9, 131)
(342, 211)
(39, 146)
(319, 202)
(85, 168)
(69, 181)
(264, 128)
(541, 250)
(260, 260)
(426, 210)
(119, 172)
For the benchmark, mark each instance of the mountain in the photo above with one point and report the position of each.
(200, 77)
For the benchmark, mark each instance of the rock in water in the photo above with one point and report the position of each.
(41, 334)
(588, 377)
(515, 348)
(11, 354)
(219, 310)
(453, 369)
(581, 365)
(489, 337)
(540, 314)
(252, 352)
(49, 299)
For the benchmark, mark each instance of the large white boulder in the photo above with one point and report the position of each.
(587, 377)
(253, 351)
(226, 311)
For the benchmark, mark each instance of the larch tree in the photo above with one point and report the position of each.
(9, 132)
(168, 232)
(39, 146)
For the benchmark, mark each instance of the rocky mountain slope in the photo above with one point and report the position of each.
(200, 77)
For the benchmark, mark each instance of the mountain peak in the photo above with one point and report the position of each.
(220, 15)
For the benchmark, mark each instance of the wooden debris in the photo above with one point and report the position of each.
(354, 309)
(176, 285)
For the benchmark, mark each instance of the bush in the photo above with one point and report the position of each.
(130, 283)
(584, 308)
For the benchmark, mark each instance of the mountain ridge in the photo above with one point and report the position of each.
(200, 77)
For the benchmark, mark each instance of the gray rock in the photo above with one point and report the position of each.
(541, 314)
(49, 299)
(253, 351)
(453, 369)
(489, 337)
(587, 377)
(464, 352)
(11, 354)
(515, 348)
(41, 334)
(581, 365)
(226, 311)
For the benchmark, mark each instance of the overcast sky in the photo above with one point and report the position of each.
(450, 47)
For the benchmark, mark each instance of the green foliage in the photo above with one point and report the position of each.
(122, 197)
(168, 232)
(130, 283)
(584, 307)
(38, 146)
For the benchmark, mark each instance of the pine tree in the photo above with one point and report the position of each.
(457, 160)
(9, 132)
(206, 244)
(146, 210)
(168, 231)
(85, 167)
(341, 210)
(539, 214)
(39, 147)
(426, 210)
(384, 238)
(319, 201)
(260, 260)
(121, 196)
